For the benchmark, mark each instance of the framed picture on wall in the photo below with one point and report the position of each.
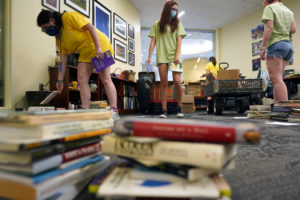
(82, 6)
(256, 48)
(131, 59)
(120, 50)
(131, 31)
(131, 45)
(256, 64)
(51, 4)
(102, 19)
(120, 26)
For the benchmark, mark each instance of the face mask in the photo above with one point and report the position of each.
(52, 30)
(174, 13)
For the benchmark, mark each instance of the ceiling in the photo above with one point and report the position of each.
(199, 14)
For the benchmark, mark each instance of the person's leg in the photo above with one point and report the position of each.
(275, 69)
(109, 87)
(83, 75)
(178, 87)
(163, 74)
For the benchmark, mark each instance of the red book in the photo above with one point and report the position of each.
(188, 130)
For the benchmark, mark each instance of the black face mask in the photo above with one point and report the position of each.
(52, 30)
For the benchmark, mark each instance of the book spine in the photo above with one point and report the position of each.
(87, 134)
(208, 156)
(80, 152)
(172, 131)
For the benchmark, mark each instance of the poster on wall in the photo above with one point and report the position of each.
(256, 64)
(120, 26)
(51, 4)
(131, 59)
(257, 32)
(256, 48)
(120, 50)
(102, 19)
(82, 6)
(131, 45)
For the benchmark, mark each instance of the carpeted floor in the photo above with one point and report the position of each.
(269, 170)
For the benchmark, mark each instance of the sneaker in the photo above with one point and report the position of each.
(179, 112)
(115, 115)
(163, 114)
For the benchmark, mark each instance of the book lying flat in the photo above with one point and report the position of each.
(107, 61)
(119, 183)
(50, 97)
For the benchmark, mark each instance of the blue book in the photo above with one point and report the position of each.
(107, 61)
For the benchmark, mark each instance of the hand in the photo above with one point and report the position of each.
(59, 86)
(176, 61)
(148, 60)
(99, 54)
(263, 54)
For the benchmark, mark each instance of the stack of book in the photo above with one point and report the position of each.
(259, 112)
(51, 154)
(282, 110)
(173, 158)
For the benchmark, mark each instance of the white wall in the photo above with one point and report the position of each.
(234, 42)
(31, 51)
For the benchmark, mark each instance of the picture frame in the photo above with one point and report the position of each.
(52, 4)
(120, 26)
(256, 64)
(120, 50)
(102, 19)
(131, 45)
(256, 48)
(131, 59)
(82, 6)
(130, 31)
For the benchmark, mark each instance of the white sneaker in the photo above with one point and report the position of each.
(163, 114)
(179, 112)
(115, 115)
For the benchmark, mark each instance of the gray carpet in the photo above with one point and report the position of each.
(269, 170)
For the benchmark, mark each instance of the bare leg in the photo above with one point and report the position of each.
(178, 87)
(163, 74)
(275, 69)
(109, 87)
(83, 76)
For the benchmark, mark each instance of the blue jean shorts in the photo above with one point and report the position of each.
(281, 49)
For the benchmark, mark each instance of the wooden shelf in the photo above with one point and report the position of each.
(73, 95)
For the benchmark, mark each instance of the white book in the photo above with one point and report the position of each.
(51, 131)
(119, 183)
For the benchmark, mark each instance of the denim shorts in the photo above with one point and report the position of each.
(281, 49)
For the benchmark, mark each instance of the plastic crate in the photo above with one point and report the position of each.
(227, 87)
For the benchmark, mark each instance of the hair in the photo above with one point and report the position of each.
(166, 18)
(213, 60)
(271, 1)
(45, 15)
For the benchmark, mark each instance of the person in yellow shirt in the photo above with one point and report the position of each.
(74, 33)
(213, 67)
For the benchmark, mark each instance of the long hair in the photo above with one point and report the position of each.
(166, 18)
(213, 60)
(271, 1)
(45, 15)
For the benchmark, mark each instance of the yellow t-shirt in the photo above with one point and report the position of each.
(213, 69)
(75, 39)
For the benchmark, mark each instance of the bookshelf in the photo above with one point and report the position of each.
(126, 90)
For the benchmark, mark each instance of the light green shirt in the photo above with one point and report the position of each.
(166, 42)
(282, 18)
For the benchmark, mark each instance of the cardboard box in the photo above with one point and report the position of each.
(232, 74)
(188, 107)
(155, 92)
(193, 88)
(186, 98)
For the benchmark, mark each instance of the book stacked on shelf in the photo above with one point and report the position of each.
(51, 154)
(173, 158)
(259, 112)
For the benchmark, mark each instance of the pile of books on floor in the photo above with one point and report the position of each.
(173, 158)
(259, 112)
(51, 154)
(285, 110)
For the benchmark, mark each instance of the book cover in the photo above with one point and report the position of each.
(190, 130)
(119, 183)
(107, 61)
(50, 97)
(175, 68)
(209, 156)
(52, 130)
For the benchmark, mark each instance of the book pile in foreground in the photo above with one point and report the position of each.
(51, 154)
(173, 158)
(259, 112)
(284, 110)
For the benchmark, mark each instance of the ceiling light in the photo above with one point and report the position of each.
(198, 60)
(181, 13)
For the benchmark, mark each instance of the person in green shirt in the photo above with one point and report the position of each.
(167, 34)
(279, 26)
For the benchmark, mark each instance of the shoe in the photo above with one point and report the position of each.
(115, 115)
(163, 114)
(179, 112)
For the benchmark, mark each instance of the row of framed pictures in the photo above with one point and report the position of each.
(102, 21)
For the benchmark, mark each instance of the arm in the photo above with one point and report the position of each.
(267, 34)
(61, 72)
(92, 30)
(151, 48)
(293, 28)
(178, 48)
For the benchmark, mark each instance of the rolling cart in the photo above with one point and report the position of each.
(222, 90)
